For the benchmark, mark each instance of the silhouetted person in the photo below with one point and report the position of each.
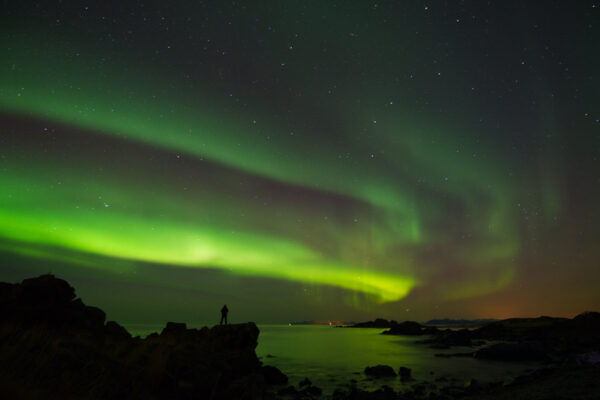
(224, 312)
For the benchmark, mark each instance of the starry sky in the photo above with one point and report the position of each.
(304, 160)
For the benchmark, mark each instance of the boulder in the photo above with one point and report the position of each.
(380, 371)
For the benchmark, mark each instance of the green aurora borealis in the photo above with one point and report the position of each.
(372, 158)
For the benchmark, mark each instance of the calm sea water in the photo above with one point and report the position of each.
(331, 357)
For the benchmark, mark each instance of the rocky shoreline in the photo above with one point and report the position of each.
(54, 346)
(543, 339)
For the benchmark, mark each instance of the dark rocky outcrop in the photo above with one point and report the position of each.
(54, 346)
(511, 352)
(410, 328)
(378, 323)
(444, 339)
(447, 322)
(538, 339)
(380, 371)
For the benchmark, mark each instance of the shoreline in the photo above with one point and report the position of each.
(56, 346)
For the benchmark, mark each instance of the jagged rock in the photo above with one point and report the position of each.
(273, 376)
(380, 371)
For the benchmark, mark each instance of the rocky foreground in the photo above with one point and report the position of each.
(566, 350)
(53, 346)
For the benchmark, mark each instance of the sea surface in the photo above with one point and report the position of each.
(332, 357)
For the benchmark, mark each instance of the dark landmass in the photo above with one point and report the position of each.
(378, 323)
(532, 339)
(410, 328)
(330, 323)
(54, 346)
(450, 323)
(380, 371)
(566, 350)
(446, 322)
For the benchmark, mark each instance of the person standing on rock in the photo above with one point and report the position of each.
(224, 312)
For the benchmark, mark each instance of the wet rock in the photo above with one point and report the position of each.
(273, 376)
(380, 371)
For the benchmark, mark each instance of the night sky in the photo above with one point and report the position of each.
(304, 159)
